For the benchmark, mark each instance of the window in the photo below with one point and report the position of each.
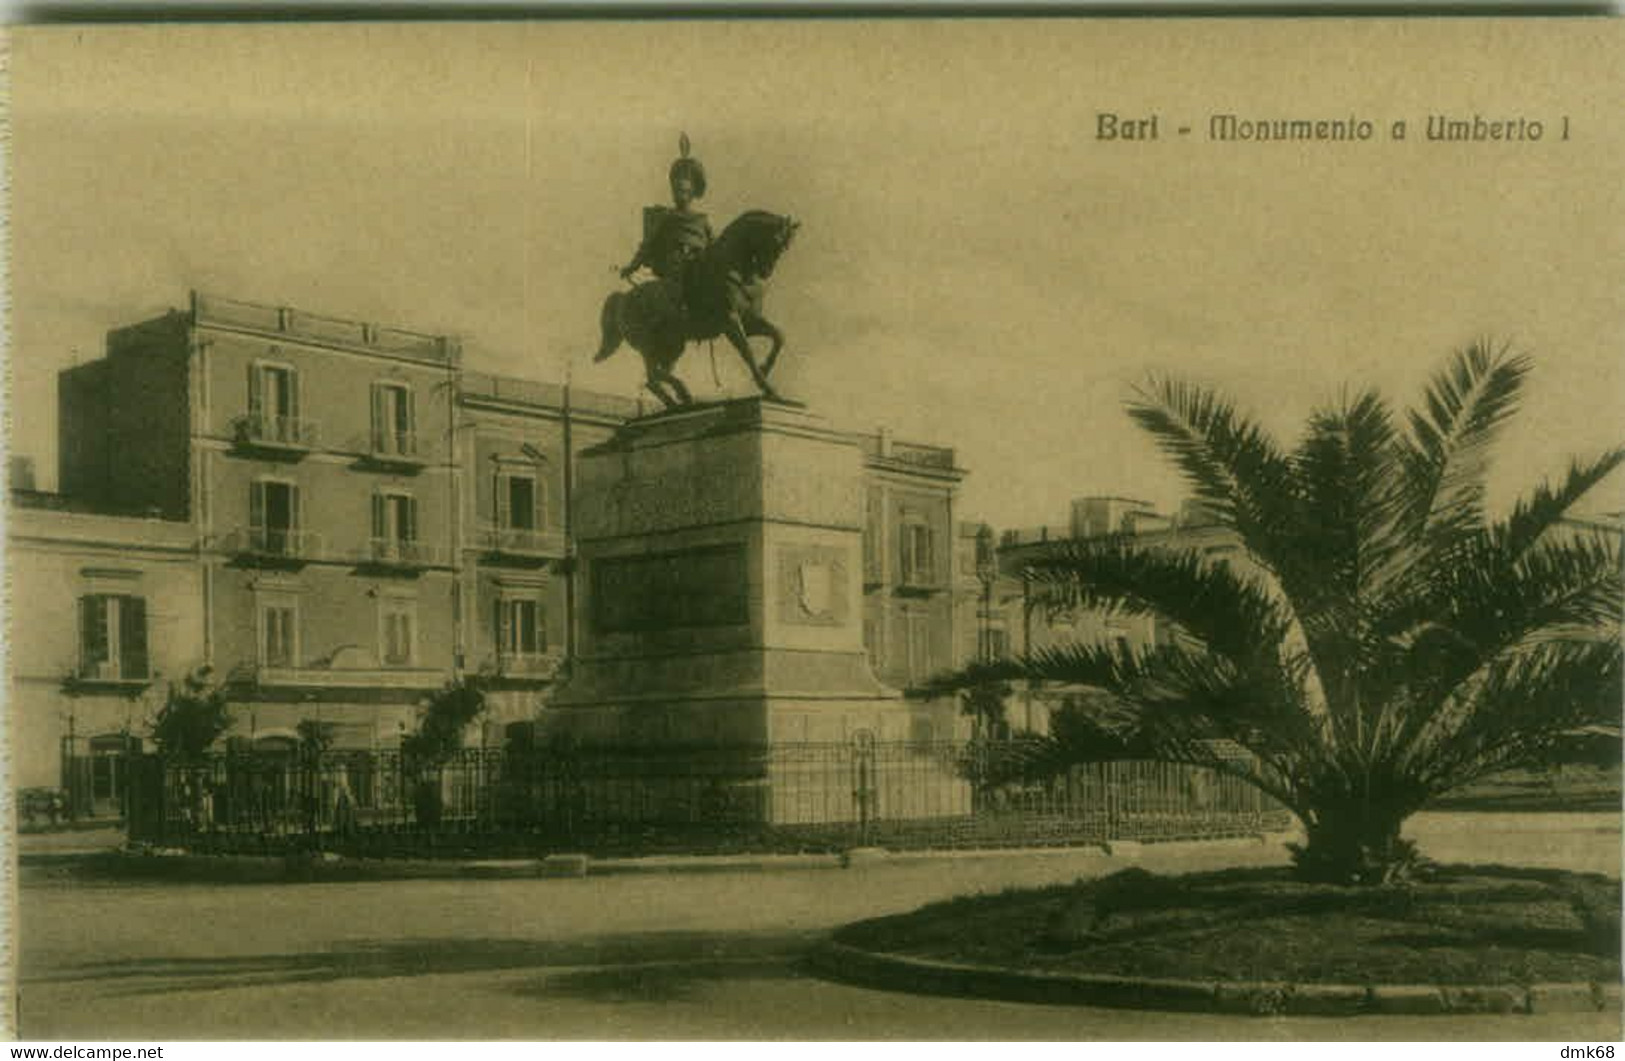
(279, 635)
(397, 623)
(273, 516)
(916, 553)
(393, 419)
(522, 502)
(995, 643)
(521, 628)
(273, 401)
(871, 640)
(394, 524)
(113, 637)
(919, 646)
(518, 500)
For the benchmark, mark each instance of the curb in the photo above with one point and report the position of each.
(180, 865)
(901, 973)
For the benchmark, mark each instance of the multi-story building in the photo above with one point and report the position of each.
(517, 441)
(908, 559)
(312, 458)
(361, 518)
(104, 610)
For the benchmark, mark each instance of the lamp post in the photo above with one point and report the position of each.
(987, 572)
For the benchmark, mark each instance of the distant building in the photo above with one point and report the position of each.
(908, 559)
(1194, 528)
(342, 517)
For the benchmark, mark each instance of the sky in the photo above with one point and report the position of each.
(974, 268)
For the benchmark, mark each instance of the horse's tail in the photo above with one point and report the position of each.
(610, 322)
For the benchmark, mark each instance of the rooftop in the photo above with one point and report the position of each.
(882, 447)
(301, 325)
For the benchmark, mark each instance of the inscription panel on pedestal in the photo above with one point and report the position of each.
(660, 591)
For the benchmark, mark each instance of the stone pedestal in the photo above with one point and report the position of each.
(721, 586)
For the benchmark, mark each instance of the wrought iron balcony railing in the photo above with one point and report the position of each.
(264, 431)
(272, 543)
(527, 664)
(112, 670)
(393, 552)
(520, 542)
(388, 446)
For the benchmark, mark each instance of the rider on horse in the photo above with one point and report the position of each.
(707, 288)
(674, 237)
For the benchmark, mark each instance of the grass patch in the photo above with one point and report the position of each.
(1466, 925)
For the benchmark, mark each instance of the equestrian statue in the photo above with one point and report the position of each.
(703, 288)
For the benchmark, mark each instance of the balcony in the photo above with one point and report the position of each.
(110, 675)
(396, 451)
(313, 679)
(394, 554)
(519, 544)
(919, 582)
(284, 436)
(532, 665)
(884, 448)
(272, 546)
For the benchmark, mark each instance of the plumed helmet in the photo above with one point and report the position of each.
(688, 166)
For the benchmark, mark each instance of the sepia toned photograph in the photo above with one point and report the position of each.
(816, 529)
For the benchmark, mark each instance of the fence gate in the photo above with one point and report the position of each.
(865, 790)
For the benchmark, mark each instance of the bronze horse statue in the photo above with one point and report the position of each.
(724, 299)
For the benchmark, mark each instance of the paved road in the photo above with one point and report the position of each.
(692, 956)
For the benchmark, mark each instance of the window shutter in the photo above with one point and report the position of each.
(132, 637)
(293, 402)
(501, 493)
(296, 509)
(409, 519)
(380, 418)
(541, 627)
(256, 396)
(86, 653)
(380, 518)
(256, 505)
(538, 495)
(409, 405)
(504, 629)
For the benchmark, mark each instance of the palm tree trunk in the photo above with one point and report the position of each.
(1356, 841)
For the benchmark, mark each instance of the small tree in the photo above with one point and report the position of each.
(446, 717)
(315, 737)
(192, 718)
(984, 704)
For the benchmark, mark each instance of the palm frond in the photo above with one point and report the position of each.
(1533, 516)
(1231, 464)
(1520, 706)
(1496, 599)
(1231, 615)
(1448, 451)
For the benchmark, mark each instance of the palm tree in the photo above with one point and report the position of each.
(1391, 643)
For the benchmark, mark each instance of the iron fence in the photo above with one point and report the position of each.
(787, 797)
